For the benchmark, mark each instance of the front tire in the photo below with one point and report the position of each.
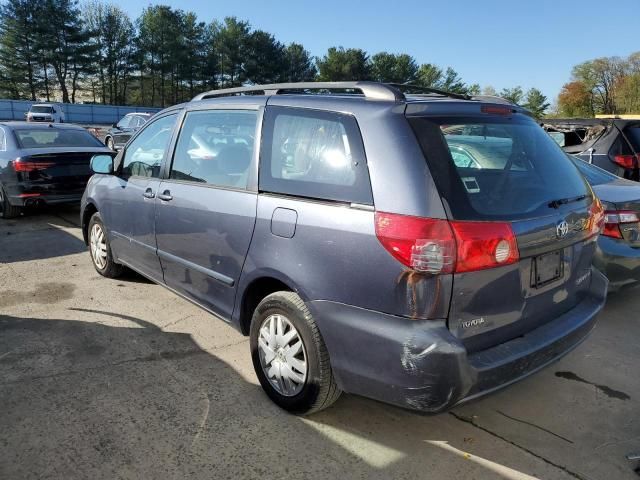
(289, 355)
(8, 210)
(100, 250)
(109, 143)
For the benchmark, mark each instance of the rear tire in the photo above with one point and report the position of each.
(100, 250)
(296, 376)
(109, 143)
(8, 210)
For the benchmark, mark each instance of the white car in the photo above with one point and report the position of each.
(45, 112)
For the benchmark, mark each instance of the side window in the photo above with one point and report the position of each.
(215, 147)
(316, 154)
(144, 155)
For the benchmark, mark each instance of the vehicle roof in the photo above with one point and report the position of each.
(357, 104)
(139, 113)
(343, 96)
(17, 125)
(44, 104)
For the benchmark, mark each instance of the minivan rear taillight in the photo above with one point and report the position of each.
(626, 161)
(613, 219)
(436, 246)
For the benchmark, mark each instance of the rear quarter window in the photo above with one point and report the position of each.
(314, 154)
(489, 167)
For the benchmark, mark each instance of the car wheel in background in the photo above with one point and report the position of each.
(289, 355)
(7, 210)
(100, 250)
(109, 143)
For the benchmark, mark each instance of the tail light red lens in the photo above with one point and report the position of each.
(423, 244)
(22, 166)
(484, 245)
(614, 218)
(626, 161)
(439, 246)
(596, 220)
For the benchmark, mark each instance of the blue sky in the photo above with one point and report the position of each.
(492, 42)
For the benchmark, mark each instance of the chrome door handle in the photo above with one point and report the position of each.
(165, 196)
(148, 193)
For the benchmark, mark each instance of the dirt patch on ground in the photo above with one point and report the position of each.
(43, 293)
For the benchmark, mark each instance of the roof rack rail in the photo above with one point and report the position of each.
(494, 99)
(373, 90)
(403, 87)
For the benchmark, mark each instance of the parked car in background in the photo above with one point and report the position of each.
(408, 274)
(43, 164)
(120, 133)
(45, 112)
(611, 143)
(618, 254)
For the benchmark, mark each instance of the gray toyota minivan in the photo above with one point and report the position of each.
(421, 249)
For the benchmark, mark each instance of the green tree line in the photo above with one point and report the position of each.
(94, 52)
(607, 85)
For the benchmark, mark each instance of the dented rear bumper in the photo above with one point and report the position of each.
(420, 365)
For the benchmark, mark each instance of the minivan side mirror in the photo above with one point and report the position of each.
(102, 164)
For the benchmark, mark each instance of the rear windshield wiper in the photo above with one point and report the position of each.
(564, 201)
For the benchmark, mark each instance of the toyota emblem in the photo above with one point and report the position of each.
(562, 229)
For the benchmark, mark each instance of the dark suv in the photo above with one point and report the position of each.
(612, 143)
(419, 249)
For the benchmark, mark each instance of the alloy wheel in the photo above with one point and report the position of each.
(282, 355)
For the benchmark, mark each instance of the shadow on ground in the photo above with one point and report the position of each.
(124, 399)
(40, 234)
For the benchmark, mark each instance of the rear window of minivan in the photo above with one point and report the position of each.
(489, 167)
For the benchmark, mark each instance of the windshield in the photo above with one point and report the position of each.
(52, 138)
(594, 175)
(490, 167)
(37, 109)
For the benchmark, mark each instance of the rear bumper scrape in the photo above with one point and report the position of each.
(420, 365)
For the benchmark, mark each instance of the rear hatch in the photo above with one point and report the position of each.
(497, 170)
